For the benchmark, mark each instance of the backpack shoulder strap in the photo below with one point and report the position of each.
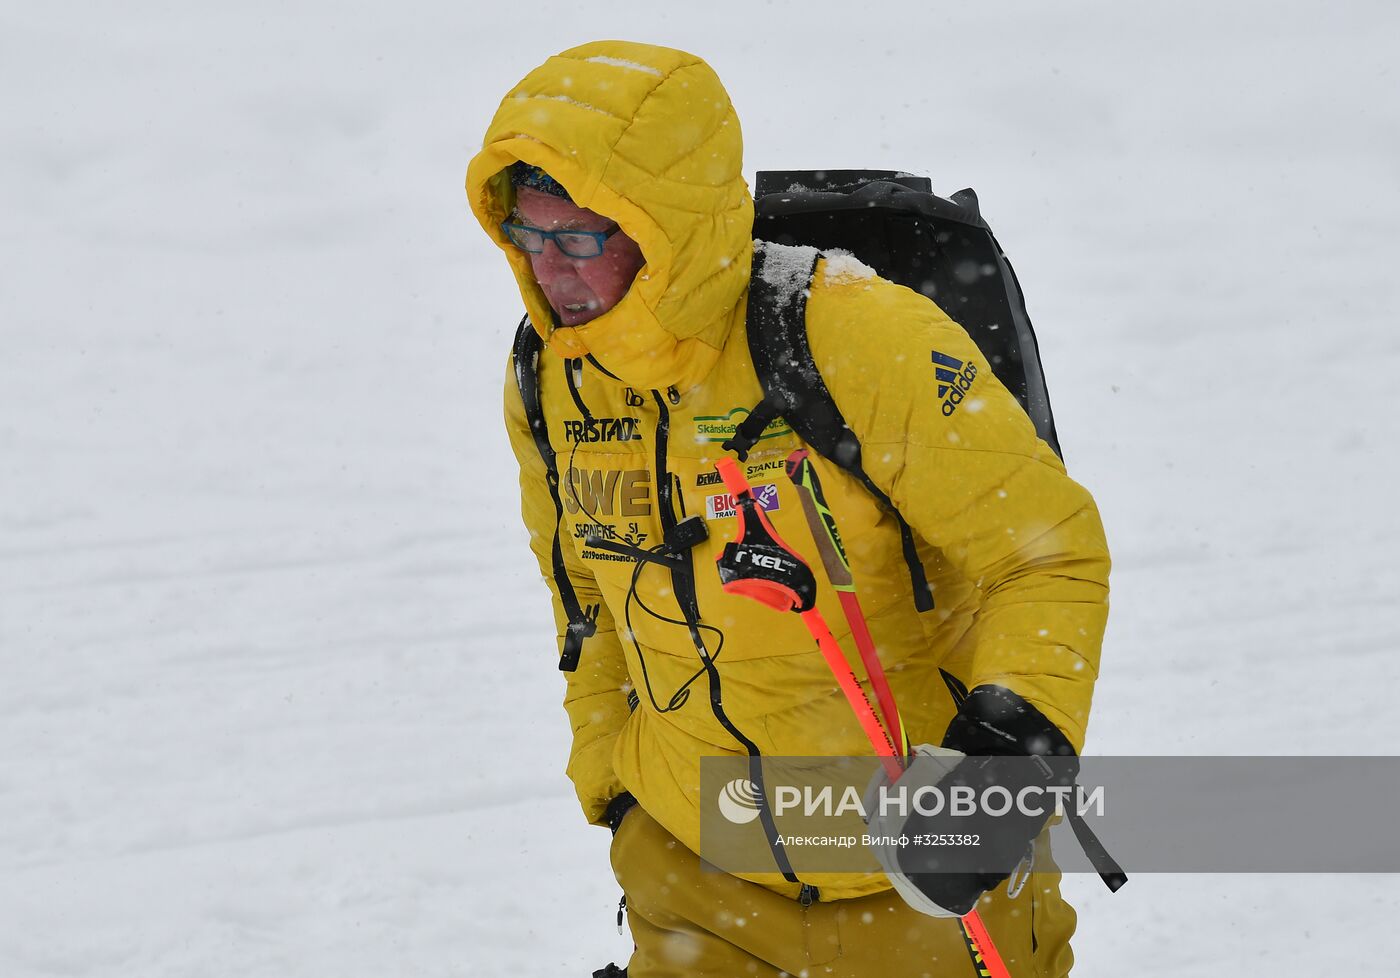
(525, 360)
(782, 356)
(793, 386)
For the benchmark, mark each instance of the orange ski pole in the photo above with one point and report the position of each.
(759, 565)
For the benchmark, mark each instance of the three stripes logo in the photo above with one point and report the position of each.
(954, 379)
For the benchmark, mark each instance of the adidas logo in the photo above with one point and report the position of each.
(954, 379)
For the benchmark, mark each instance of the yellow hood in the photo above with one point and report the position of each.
(647, 137)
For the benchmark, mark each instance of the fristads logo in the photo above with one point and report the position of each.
(716, 428)
(720, 506)
(954, 379)
(602, 429)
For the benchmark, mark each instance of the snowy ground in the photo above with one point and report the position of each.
(277, 691)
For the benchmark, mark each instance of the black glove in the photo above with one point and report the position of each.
(1011, 747)
(995, 722)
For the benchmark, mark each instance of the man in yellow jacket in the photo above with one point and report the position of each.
(611, 179)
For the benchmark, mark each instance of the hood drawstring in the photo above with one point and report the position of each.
(573, 377)
(573, 372)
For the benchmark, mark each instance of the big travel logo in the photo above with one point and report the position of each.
(721, 505)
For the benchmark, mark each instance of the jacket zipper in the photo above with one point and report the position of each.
(683, 586)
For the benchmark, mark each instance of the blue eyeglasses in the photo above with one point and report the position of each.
(575, 244)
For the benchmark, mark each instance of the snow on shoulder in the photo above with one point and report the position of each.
(786, 267)
(526, 96)
(843, 268)
(603, 59)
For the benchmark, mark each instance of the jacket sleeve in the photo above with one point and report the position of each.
(595, 695)
(961, 461)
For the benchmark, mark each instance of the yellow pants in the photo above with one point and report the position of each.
(689, 921)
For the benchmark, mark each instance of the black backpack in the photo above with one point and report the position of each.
(895, 224)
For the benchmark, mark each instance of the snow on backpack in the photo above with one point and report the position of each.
(894, 223)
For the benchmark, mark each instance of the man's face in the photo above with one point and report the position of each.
(578, 289)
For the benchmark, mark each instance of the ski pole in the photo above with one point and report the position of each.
(838, 572)
(822, 524)
(884, 746)
(759, 565)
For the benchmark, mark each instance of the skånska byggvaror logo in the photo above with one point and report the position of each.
(739, 801)
(717, 428)
(954, 379)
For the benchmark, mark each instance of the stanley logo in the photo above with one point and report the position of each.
(954, 379)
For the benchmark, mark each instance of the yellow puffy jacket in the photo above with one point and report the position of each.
(1014, 549)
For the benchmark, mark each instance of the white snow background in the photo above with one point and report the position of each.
(278, 692)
